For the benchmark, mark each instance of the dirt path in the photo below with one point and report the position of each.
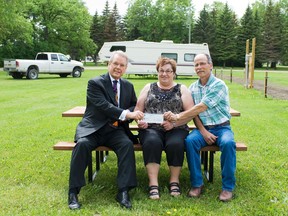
(274, 91)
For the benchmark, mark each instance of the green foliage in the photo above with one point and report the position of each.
(14, 25)
(34, 177)
(205, 29)
(226, 34)
(108, 27)
(284, 39)
(246, 31)
(169, 20)
(272, 35)
(32, 26)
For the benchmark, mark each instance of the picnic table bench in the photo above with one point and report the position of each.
(102, 152)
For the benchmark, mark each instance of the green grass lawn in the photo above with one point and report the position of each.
(34, 177)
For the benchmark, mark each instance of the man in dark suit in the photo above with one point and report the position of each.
(109, 108)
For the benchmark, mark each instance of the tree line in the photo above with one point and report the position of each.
(31, 26)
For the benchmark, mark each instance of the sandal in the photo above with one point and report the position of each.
(176, 189)
(152, 193)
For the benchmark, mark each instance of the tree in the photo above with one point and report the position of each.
(246, 31)
(171, 20)
(226, 36)
(284, 41)
(205, 29)
(164, 20)
(13, 24)
(271, 35)
(138, 20)
(15, 30)
(120, 27)
(96, 33)
(61, 27)
(258, 29)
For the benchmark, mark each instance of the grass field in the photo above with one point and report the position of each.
(34, 178)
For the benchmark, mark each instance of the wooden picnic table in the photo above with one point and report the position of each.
(206, 160)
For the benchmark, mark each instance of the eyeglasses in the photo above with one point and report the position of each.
(166, 71)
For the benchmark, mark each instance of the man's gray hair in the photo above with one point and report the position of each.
(120, 53)
(209, 59)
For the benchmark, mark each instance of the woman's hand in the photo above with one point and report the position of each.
(167, 125)
(142, 124)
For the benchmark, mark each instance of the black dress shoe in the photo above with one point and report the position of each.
(73, 201)
(124, 200)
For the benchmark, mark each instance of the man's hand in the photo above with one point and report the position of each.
(136, 115)
(209, 137)
(169, 116)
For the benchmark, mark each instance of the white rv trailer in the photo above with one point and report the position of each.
(143, 55)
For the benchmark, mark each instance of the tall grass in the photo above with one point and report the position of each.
(34, 178)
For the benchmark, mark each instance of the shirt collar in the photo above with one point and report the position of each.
(210, 80)
(112, 79)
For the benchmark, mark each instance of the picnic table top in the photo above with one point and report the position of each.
(78, 111)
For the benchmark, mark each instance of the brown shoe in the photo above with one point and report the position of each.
(226, 196)
(195, 192)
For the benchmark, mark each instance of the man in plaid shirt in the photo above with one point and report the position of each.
(212, 117)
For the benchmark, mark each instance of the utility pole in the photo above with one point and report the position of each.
(189, 21)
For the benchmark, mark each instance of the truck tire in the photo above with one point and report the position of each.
(16, 75)
(63, 74)
(77, 72)
(32, 74)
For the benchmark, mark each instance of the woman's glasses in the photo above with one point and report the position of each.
(166, 71)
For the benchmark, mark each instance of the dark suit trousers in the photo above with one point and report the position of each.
(114, 138)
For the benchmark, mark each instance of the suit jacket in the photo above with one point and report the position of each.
(101, 107)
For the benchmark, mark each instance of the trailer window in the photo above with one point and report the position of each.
(170, 55)
(115, 48)
(189, 57)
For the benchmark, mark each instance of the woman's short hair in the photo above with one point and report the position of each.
(163, 61)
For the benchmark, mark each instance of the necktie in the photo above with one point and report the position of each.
(115, 90)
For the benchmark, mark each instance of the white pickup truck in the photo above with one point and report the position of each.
(44, 63)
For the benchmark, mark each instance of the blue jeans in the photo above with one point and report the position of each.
(195, 141)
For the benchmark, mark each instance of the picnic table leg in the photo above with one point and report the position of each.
(204, 159)
(90, 168)
(211, 166)
(102, 156)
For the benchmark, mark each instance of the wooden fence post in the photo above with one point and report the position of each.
(265, 85)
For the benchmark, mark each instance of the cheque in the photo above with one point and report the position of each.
(153, 118)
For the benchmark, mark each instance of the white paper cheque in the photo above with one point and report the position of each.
(153, 118)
